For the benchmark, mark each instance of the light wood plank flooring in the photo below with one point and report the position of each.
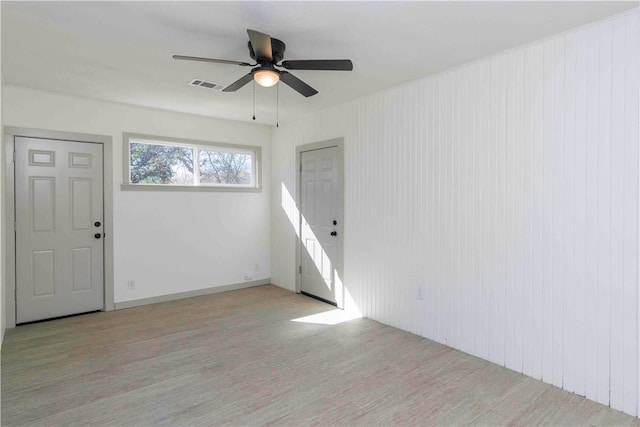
(236, 358)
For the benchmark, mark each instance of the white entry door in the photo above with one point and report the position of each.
(321, 225)
(59, 228)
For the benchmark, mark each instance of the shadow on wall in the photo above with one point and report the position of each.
(343, 296)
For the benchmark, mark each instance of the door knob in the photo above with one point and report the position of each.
(334, 233)
(97, 223)
(97, 235)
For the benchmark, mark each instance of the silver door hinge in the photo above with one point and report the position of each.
(299, 269)
(14, 157)
(300, 167)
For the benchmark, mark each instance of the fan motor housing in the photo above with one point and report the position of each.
(277, 51)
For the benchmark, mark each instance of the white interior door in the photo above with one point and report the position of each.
(321, 225)
(59, 228)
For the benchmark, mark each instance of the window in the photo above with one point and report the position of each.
(175, 164)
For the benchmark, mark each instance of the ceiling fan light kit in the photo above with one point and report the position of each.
(268, 52)
(266, 77)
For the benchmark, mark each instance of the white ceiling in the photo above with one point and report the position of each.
(121, 51)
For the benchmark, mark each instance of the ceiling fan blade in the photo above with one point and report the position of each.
(261, 44)
(239, 83)
(319, 64)
(296, 84)
(219, 61)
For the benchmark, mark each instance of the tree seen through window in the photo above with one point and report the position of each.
(173, 164)
(224, 168)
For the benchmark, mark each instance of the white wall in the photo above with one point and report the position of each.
(508, 190)
(167, 242)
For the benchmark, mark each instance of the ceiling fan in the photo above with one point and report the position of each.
(268, 52)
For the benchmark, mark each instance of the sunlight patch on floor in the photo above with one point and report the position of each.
(332, 317)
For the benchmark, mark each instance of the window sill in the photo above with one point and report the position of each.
(188, 188)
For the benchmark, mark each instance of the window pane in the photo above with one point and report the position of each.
(219, 167)
(161, 164)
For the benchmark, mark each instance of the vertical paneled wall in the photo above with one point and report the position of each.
(507, 190)
(3, 299)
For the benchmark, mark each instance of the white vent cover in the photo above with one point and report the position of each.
(205, 84)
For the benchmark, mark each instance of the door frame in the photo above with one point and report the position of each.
(339, 144)
(8, 210)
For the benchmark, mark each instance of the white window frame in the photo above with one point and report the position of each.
(254, 151)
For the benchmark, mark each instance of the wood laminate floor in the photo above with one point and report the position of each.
(237, 358)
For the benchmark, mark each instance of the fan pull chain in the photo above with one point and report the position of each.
(277, 104)
(254, 100)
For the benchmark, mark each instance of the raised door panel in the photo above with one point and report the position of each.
(43, 273)
(42, 200)
(80, 203)
(81, 268)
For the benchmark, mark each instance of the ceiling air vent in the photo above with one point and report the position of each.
(206, 84)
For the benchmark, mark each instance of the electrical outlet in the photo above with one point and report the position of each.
(420, 293)
(131, 284)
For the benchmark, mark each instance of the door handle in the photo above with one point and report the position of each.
(97, 235)
(334, 233)
(97, 223)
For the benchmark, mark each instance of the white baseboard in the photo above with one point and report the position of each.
(190, 294)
